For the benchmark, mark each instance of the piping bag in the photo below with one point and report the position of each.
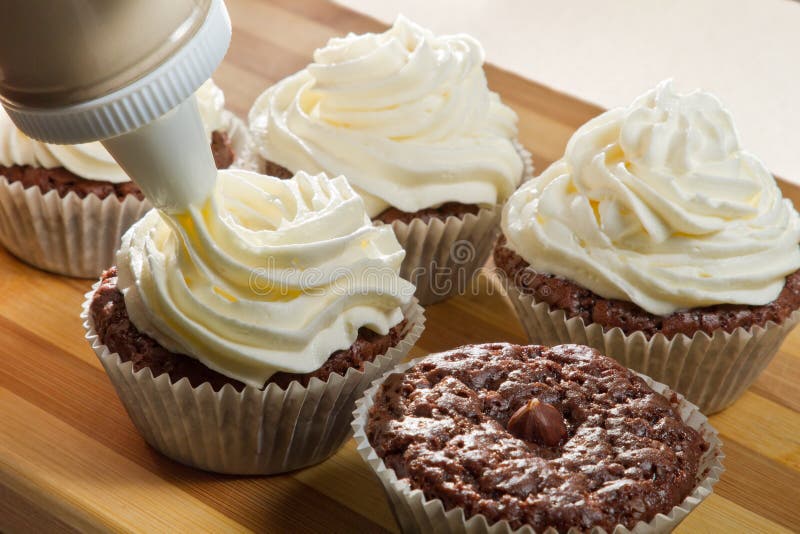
(123, 73)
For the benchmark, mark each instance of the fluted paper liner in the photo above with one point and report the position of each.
(416, 513)
(249, 432)
(77, 236)
(710, 371)
(443, 255)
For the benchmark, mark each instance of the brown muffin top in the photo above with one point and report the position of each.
(536, 436)
(577, 301)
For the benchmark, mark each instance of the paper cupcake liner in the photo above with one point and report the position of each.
(710, 371)
(416, 513)
(76, 236)
(249, 432)
(70, 235)
(443, 255)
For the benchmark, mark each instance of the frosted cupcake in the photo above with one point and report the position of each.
(408, 117)
(63, 208)
(238, 335)
(660, 241)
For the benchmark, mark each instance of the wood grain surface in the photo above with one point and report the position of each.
(70, 459)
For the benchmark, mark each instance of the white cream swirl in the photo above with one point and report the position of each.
(405, 115)
(211, 104)
(269, 275)
(658, 204)
(91, 160)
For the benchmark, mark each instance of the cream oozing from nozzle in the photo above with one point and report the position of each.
(169, 158)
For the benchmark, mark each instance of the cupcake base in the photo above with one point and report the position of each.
(415, 513)
(442, 256)
(252, 431)
(577, 301)
(71, 236)
(711, 371)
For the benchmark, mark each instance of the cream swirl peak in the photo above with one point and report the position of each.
(269, 275)
(657, 204)
(91, 160)
(407, 116)
(211, 104)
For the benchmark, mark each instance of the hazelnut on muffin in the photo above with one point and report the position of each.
(31, 226)
(562, 438)
(657, 223)
(408, 118)
(281, 290)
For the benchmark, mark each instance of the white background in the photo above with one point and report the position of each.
(610, 51)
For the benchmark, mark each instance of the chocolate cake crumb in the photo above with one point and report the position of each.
(443, 426)
(273, 169)
(115, 330)
(222, 150)
(63, 181)
(577, 301)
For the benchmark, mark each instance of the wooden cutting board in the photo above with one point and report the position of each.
(71, 459)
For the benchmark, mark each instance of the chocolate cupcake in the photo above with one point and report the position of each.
(254, 321)
(408, 118)
(657, 240)
(64, 208)
(498, 437)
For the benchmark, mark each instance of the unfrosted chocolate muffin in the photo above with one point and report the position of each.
(115, 330)
(389, 215)
(548, 437)
(64, 181)
(577, 301)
